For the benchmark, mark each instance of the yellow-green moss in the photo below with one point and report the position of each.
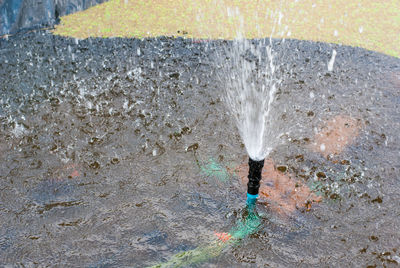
(373, 25)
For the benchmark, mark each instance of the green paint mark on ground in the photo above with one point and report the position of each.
(248, 226)
(212, 168)
(317, 187)
(241, 230)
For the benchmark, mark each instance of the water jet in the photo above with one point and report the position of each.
(250, 79)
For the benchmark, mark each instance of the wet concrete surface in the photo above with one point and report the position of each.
(102, 144)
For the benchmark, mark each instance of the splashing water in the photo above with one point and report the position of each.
(248, 76)
(332, 61)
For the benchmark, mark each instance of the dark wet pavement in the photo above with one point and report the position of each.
(104, 142)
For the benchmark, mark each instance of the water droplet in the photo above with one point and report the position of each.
(280, 18)
(322, 147)
(332, 61)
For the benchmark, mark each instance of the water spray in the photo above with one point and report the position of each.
(255, 169)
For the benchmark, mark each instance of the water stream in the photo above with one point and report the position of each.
(249, 79)
(249, 82)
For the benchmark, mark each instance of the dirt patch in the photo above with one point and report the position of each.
(282, 191)
(335, 135)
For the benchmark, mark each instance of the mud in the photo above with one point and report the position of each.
(281, 192)
(335, 135)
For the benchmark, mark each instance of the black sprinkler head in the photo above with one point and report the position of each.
(255, 169)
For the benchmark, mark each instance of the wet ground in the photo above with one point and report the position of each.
(120, 152)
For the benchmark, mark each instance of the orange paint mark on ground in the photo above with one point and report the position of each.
(74, 174)
(69, 171)
(223, 236)
(335, 135)
(283, 192)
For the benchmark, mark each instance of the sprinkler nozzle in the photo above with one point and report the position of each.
(251, 199)
(255, 169)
